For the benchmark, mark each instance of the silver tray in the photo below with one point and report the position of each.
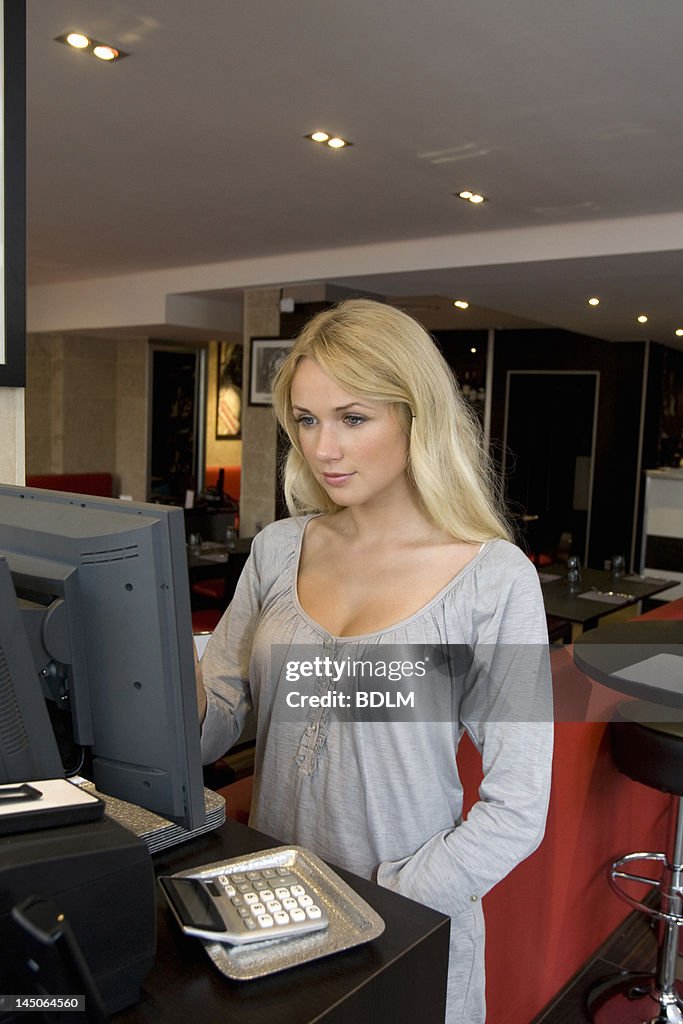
(352, 920)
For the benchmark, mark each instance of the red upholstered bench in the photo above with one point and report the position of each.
(100, 484)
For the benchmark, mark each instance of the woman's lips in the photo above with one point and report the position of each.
(336, 479)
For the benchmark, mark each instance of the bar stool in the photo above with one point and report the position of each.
(649, 749)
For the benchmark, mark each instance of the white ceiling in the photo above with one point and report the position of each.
(183, 168)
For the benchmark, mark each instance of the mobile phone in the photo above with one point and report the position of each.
(19, 791)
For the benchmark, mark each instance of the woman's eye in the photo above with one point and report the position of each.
(305, 421)
(353, 420)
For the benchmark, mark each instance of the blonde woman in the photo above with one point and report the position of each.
(396, 552)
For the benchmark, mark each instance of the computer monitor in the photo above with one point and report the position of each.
(28, 749)
(104, 600)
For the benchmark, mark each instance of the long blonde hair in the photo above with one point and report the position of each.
(376, 351)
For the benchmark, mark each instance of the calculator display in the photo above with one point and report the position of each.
(194, 904)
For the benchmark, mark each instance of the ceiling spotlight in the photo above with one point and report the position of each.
(105, 53)
(461, 304)
(325, 139)
(93, 47)
(471, 197)
(642, 319)
(594, 302)
(679, 332)
(78, 41)
(473, 350)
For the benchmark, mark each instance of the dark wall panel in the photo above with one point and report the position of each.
(615, 472)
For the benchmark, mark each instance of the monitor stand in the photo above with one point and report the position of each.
(157, 832)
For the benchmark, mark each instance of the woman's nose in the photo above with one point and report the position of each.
(328, 447)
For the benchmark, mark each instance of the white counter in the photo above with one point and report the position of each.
(662, 547)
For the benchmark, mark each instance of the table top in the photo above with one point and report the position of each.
(183, 984)
(211, 553)
(608, 654)
(566, 604)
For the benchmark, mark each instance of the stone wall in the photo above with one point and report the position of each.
(259, 435)
(86, 407)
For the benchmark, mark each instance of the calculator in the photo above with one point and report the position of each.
(241, 906)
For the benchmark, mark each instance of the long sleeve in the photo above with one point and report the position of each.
(225, 666)
(507, 710)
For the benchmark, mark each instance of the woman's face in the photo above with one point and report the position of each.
(354, 446)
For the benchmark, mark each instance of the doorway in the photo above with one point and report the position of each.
(548, 454)
(177, 427)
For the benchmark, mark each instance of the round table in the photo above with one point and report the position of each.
(604, 652)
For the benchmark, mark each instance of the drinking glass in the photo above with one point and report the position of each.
(573, 571)
(231, 538)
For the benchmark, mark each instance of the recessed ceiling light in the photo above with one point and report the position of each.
(78, 41)
(594, 302)
(461, 304)
(642, 319)
(471, 197)
(679, 332)
(473, 350)
(326, 139)
(93, 47)
(105, 52)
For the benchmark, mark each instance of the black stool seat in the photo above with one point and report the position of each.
(647, 744)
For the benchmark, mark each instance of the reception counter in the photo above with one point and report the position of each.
(398, 977)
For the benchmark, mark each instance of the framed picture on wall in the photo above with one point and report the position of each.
(267, 356)
(229, 393)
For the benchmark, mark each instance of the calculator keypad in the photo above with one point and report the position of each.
(272, 903)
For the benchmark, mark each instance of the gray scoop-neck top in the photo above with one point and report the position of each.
(383, 798)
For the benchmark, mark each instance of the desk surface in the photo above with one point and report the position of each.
(216, 561)
(603, 652)
(400, 976)
(566, 604)
(212, 553)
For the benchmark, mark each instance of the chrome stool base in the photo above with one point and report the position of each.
(632, 999)
(653, 998)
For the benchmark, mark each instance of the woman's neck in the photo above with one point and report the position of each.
(394, 522)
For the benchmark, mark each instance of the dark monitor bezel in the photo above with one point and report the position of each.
(163, 532)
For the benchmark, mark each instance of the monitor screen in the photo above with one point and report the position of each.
(28, 750)
(104, 599)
